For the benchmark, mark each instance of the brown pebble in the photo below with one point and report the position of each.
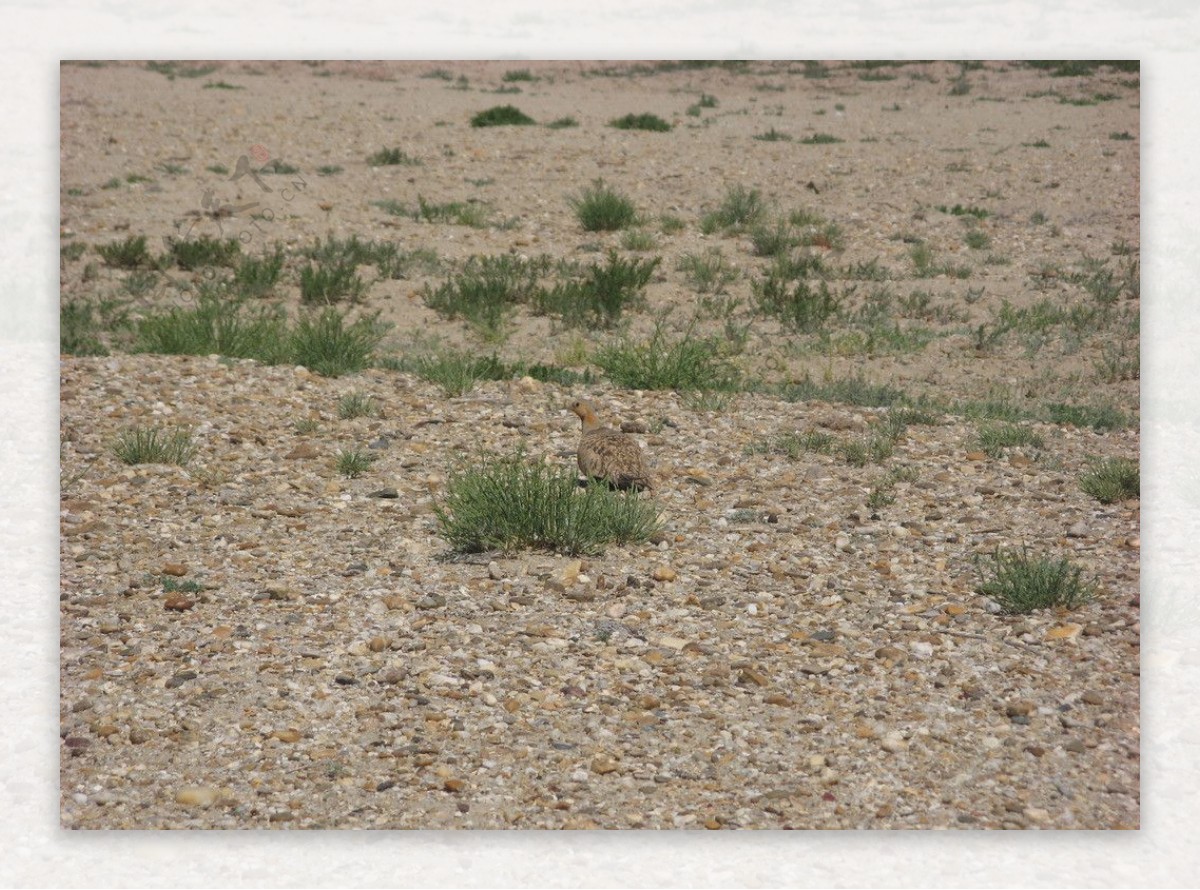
(750, 675)
(197, 796)
(175, 569)
(663, 573)
(178, 603)
(1019, 708)
(286, 735)
(454, 785)
(976, 455)
(378, 644)
(302, 451)
(603, 765)
(1091, 697)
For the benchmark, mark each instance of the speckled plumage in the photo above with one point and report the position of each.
(609, 454)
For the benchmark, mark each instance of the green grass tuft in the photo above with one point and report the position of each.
(994, 438)
(353, 463)
(740, 209)
(600, 208)
(599, 297)
(1112, 480)
(330, 283)
(153, 445)
(510, 503)
(649, 122)
(204, 251)
(688, 363)
(357, 404)
(128, 254)
(392, 157)
(502, 116)
(1021, 583)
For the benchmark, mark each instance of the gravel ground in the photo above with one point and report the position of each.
(781, 655)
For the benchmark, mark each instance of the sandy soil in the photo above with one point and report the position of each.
(831, 666)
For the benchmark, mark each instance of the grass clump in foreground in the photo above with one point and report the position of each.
(501, 116)
(602, 209)
(686, 364)
(1112, 480)
(509, 503)
(153, 445)
(1021, 583)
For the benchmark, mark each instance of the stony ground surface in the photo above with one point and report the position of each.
(257, 641)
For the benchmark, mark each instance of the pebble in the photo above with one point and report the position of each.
(197, 796)
(893, 742)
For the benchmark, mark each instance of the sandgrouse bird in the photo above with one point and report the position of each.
(609, 454)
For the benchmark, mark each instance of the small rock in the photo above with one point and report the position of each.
(388, 493)
(1091, 697)
(976, 455)
(663, 573)
(303, 451)
(197, 796)
(1064, 632)
(603, 765)
(454, 785)
(1078, 530)
(1019, 708)
(494, 571)
(432, 601)
(894, 742)
(1075, 746)
(180, 678)
(378, 644)
(175, 569)
(177, 602)
(750, 675)
(288, 736)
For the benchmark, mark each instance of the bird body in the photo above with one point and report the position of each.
(609, 454)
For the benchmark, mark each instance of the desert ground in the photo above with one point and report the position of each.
(259, 639)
